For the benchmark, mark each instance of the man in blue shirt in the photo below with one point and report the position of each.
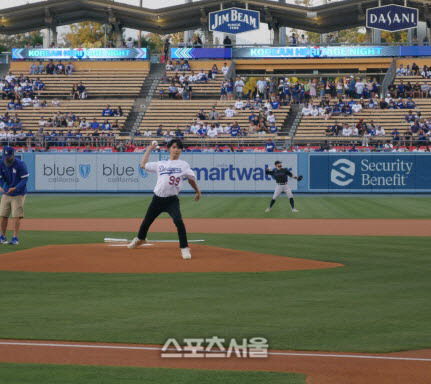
(270, 146)
(13, 177)
(108, 111)
(94, 124)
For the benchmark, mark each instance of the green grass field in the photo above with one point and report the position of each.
(42, 374)
(377, 302)
(316, 207)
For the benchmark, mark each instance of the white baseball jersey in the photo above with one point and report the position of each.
(170, 176)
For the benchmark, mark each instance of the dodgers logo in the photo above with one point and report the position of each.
(84, 170)
(142, 172)
(79, 53)
(342, 172)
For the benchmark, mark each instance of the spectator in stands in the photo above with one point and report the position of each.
(75, 92)
(401, 89)
(201, 115)
(230, 112)
(118, 111)
(69, 68)
(408, 137)
(224, 69)
(94, 124)
(212, 131)
(115, 125)
(229, 89)
(270, 118)
(187, 91)
(38, 85)
(401, 71)
(410, 103)
(380, 131)
(50, 68)
(347, 131)
(7, 91)
(293, 40)
(82, 91)
(36, 102)
(55, 103)
(59, 68)
(33, 68)
(262, 88)
(106, 126)
(40, 68)
(172, 91)
(359, 88)
(84, 124)
(239, 87)
(26, 101)
(147, 133)
(214, 71)
(159, 132)
(214, 115)
(227, 42)
(108, 111)
(396, 139)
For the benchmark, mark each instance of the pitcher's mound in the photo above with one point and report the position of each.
(159, 258)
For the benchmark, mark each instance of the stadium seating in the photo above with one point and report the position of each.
(89, 109)
(171, 113)
(119, 79)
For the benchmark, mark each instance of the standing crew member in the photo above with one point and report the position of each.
(281, 175)
(13, 186)
(170, 176)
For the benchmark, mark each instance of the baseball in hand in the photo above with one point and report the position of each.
(154, 143)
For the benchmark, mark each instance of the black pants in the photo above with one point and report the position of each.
(171, 205)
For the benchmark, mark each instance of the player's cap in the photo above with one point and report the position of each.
(277, 162)
(8, 152)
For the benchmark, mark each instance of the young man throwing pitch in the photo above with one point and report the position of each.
(170, 176)
(281, 175)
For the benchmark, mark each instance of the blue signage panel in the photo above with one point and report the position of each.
(201, 53)
(314, 52)
(234, 20)
(79, 53)
(369, 173)
(392, 18)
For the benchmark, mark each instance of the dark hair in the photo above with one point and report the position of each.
(277, 162)
(176, 141)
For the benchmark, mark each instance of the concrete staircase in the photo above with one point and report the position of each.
(293, 119)
(143, 101)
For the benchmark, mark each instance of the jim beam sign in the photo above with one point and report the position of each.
(392, 18)
(234, 20)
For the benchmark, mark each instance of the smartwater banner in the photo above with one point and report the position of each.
(121, 172)
(369, 173)
(79, 53)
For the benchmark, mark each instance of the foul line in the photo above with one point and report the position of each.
(174, 350)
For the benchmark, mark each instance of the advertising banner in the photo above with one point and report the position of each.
(392, 18)
(201, 53)
(314, 52)
(234, 20)
(369, 173)
(230, 172)
(79, 53)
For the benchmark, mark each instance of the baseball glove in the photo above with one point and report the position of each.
(300, 178)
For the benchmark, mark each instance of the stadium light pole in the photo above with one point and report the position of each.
(140, 32)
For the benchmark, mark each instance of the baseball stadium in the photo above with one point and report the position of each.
(215, 191)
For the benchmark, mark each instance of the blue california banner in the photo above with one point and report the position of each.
(234, 20)
(79, 53)
(374, 173)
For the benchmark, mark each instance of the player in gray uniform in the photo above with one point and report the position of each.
(281, 175)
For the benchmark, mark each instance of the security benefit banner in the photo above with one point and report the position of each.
(370, 173)
(121, 172)
(92, 172)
